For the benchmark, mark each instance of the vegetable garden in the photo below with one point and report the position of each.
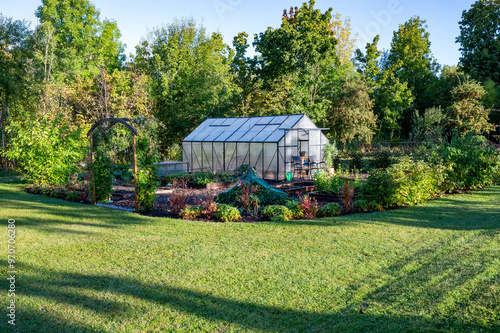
(466, 163)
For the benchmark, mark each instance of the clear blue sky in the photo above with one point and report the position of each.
(368, 17)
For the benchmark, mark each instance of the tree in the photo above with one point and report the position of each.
(190, 77)
(78, 41)
(351, 115)
(345, 40)
(480, 40)
(13, 66)
(412, 60)
(467, 113)
(391, 97)
(302, 52)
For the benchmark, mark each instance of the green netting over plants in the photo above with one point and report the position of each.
(249, 187)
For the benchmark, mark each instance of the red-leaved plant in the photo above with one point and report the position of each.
(309, 206)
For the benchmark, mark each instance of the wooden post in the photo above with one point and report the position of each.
(91, 159)
(346, 195)
(135, 176)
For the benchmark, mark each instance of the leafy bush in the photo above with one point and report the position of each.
(248, 200)
(404, 183)
(103, 175)
(174, 152)
(382, 159)
(209, 206)
(47, 152)
(146, 188)
(178, 200)
(366, 205)
(330, 153)
(325, 183)
(330, 209)
(227, 213)
(277, 213)
(469, 162)
(190, 212)
(147, 154)
(356, 160)
(309, 206)
(295, 208)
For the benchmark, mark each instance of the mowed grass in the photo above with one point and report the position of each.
(80, 268)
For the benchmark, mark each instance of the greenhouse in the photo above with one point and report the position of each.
(266, 143)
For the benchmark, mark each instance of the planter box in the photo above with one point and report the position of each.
(300, 189)
(210, 186)
(326, 197)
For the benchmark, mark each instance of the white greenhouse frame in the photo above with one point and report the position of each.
(266, 143)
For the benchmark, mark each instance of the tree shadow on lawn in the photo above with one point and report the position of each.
(450, 212)
(60, 287)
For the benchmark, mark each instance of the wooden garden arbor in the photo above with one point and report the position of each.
(113, 122)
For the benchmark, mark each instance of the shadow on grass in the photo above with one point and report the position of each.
(481, 212)
(43, 212)
(65, 288)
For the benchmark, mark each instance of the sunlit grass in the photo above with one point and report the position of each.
(434, 267)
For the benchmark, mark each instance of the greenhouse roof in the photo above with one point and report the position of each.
(245, 129)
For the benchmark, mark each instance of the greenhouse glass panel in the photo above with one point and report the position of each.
(242, 150)
(207, 159)
(230, 156)
(218, 156)
(256, 157)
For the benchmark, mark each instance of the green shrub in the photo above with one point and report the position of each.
(147, 154)
(295, 208)
(366, 205)
(404, 183)
(190, 212)
(174, 152)
(47, 152)
(330, 209)
(277, 213)
(356, 160)
(146, 188)
(73, 196)
(326, 183)
(227, 213)
(468, 162)
(382, 159)
(103, 175)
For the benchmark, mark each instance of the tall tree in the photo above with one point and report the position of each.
(301, 52)
(190, 76)
(14, 35)
(351, 115)
(411, 57)
(391, 96)
(78, 41)
(480, 40)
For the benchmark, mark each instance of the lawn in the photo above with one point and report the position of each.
(80, 268)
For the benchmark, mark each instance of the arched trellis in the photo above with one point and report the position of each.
(113, 122)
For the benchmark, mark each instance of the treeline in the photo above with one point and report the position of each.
(71, 71)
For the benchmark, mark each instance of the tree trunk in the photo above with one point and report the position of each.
(10, 132)
(3, 138)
